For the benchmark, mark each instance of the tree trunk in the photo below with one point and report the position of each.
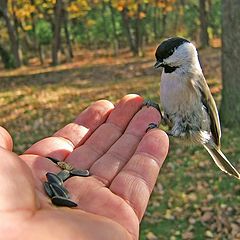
(6, 58)
(177, 18)
(204, 38)
(11, 32)
(164, 24)
(33, 18)
(115, 35)
(139, 33)
(155, 20)
(57, 31)
(67, 36)
(230, 107)
(105, 27)
(126, 23)
(41, 53)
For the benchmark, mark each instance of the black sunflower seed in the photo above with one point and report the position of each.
(59, 190)
(54, 160)
(53, 178)
(64, 175)
(63, 202)
(47, 189)
(80, 173)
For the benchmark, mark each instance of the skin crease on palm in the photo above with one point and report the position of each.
(124, 162)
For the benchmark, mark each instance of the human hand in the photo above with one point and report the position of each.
(123, 161)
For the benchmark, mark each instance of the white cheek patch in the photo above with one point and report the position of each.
(173, 60)
(181, 55)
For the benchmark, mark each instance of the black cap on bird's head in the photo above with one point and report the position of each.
(167, 48)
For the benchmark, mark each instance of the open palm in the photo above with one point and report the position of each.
(123, 161)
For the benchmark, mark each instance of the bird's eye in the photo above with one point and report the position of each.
(170, 52)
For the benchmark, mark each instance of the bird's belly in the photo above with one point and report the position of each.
(184, 111)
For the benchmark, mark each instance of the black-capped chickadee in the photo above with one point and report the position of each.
(189, 108)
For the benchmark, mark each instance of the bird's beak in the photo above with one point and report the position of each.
(158, 64)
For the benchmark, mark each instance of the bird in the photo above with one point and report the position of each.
(188, 105)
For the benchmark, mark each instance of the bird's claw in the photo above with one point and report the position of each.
(150, 103)
(151, 126)
(170, 134)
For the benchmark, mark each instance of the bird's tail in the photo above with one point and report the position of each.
(221, 161)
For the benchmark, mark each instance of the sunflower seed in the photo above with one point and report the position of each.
(54, 160)
(79, 172)
(65, 166)
(47, 189)
(64, 175)
(62, 201)
(53, 178)
(59, 191)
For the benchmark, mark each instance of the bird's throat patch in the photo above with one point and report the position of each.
(169, 69)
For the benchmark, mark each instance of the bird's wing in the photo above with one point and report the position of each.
(209, 103)
(221, 161)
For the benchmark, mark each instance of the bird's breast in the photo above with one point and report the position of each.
(177, 95)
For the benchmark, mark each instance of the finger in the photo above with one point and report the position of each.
(54, 147)
(107, 134)
(5, 139)
(89, 120)
(63, 141)
(39, 167)
(16, 184)
(108, 166)
(136, 180)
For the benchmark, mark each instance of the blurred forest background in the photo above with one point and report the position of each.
(50, 28)
(58, 56)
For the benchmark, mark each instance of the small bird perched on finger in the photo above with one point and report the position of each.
(189, 108)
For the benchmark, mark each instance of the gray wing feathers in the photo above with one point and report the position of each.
(211, 107)
(221, 161)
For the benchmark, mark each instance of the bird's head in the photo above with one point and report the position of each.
(174, 53)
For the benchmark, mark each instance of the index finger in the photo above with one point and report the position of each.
(66, 139)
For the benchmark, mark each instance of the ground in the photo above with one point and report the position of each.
(192, 199)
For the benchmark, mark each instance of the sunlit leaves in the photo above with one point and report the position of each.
(22, 10)
(78, 8)
(133, 6)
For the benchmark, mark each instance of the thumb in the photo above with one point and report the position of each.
(5, 139)
(16, 183)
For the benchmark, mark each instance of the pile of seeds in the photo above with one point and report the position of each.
(54, 184)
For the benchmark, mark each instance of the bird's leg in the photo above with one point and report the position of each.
(169, 133)
(179, 129)
(165, 121)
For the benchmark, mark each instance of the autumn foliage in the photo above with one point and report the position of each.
(53, 28)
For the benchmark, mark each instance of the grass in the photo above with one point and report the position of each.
(192, 198)
(191, 186)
